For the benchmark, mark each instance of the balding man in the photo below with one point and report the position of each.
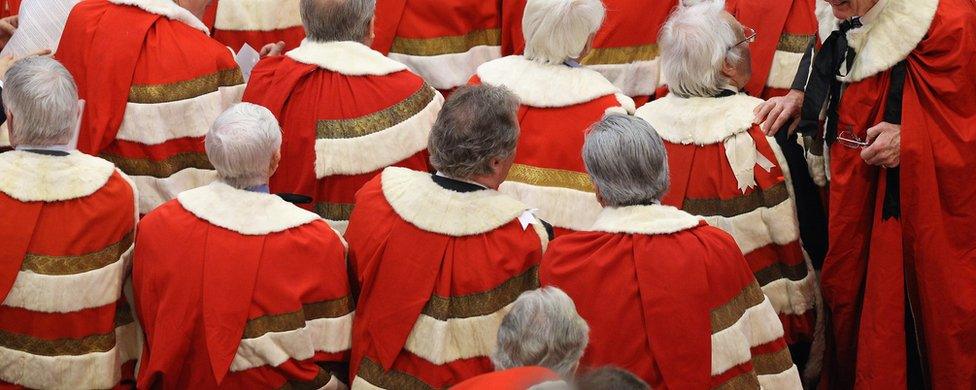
(66, 226)
(237, 288)
(346, 111)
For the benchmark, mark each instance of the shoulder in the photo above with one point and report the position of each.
(699, 120)
(566, 86)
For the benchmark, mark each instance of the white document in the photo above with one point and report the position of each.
(40, 25)
(246, 58)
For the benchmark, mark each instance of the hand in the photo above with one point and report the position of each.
(8, 62)
(885, 145)
(8, 26)
(273, 49)
(777, 111)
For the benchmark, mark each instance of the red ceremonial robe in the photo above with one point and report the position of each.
(153, 82)
(66, 224)
(684, 310)
(443, 41)
(240, 290)
(439, 269)
(255, 22)
(723, 168)
(346, 112)
(624, 50)
(9, 8)
(933, 244)
(558, 104)
(518, 378)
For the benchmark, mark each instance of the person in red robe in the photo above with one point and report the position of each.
(624, 49)
(518, 378)
(894, 79)
(256, 23)
(559, 100)
(685, 310)
(440, 258)
(153, 82)
(67, 221)
(346, 111)
(723, 166)
(443, 41)
(235, 287)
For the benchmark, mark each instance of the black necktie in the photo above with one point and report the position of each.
(824, 86)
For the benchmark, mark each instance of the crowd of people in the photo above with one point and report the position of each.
(505, 194)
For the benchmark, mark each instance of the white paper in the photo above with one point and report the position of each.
(40, 25)
(246, 58)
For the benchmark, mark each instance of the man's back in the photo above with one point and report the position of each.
(67, 227)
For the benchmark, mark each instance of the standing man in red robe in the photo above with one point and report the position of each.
(66, 226)
(346, 111)
(440, 258)
(896, 79)
(237, 288)
(678, 305)
(153, 82)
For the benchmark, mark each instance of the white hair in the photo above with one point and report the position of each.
(556, 30)
(337, 20)
(627, 161)
(695, 43)
(41, 96)
(542, 329)
(242, 143)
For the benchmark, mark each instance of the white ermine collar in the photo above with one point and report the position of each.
(699, 120)
(33, 177)
(166, 8)
(245, 212)
(893, 34)
(417, 199)
(548, 85)
(650, 220)
(345, 57)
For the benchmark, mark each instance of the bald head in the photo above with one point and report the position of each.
(338, 20)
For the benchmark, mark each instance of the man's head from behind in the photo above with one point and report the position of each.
(556, 30)
(244, 145)
(475, 135)
(542, 329)
(610, 378)
(627, 161)
(338, 20)
(41, 102)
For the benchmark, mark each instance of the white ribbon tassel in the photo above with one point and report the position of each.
(740, 150)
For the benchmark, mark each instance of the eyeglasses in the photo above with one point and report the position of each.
(750, 36)
(848, 139)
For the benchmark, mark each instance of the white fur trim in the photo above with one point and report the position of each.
(353, 156)
(166, 8)
(448, 71)
(153, 124)
(155, 191)
(792, 297)
(257, 15)
(789, 379)
(245, 212)
(418, 200)
(626, 103)
(360, 383)
(783, 70)
(97, 370)
(700, 121)
(69, 293)
(634, 79)
(760, 227)
(817, 168)
(543, 85)
(338, 226)
(650, 220)
(32, 177)
(442, 342)
(757, 326)
(345, 57)
(274, 348)
(562, 207)
(4, 135)
(897, 30)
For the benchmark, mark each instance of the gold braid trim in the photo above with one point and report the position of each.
(59, 347)
(71, 265)
(162, 168)
(621, 55)
(373, 373)
(334, 211)
(726, 315)
(549, 177)
(772, 363)
(778, 271)
(446, 45)
(747, 380)
(483, 303)
(260, 326)
(738, 205)
(181, 90)
(377, 121)
(794, 43)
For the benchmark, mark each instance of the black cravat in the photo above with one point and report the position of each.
(823, 86)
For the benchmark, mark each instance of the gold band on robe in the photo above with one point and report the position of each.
(794, 43)
(549, 177)
(377, 121)
(772, 363)
(372, 372)
(70, 265)
(334, 211)
(285, 322)
(188, 89)
(621, 55)
(162, 168)
(483, 303)
(746, 380)
(728, 314)
(779, 271)
(738, 205)
(60, 347)
(446, 45)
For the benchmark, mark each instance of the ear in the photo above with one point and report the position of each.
(728, 69)
(274, 163)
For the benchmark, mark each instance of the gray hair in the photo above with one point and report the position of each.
(475, 125)
(42, 97)
(695, 43)
(556, 30)
(337, 20)
(542, 329)
(242, 143)
(626, 159)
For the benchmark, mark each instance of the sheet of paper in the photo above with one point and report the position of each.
(39, 26)
(246, 58)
